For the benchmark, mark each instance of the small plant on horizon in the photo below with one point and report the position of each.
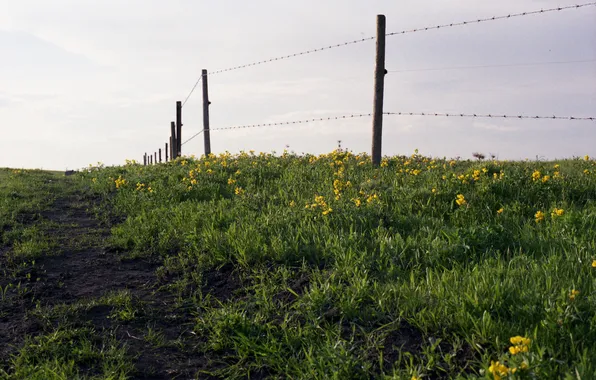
(479, 156)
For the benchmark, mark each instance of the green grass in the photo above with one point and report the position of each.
(334, 264)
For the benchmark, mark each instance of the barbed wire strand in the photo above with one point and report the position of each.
(491, 116)
(495, 18)
(343, 117)
(354, 116)
(491, 66)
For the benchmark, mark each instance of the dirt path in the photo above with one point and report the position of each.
(83, 271)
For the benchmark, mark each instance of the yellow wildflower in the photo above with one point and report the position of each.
(120, 182)
(587, 158)
(557, 166)
(292, 204)
(434, 190)
(327, 211)
(545, 178)
(358, 202)
(520, 340)
(594, 264)
(536, 175)
(231, 181)
(460, 200)
(384, 163)
(372, 198)
(498, 370)
(539, 216)
(586, 171)
(239, 191)
(557, 212)
(500, 211)
(573, 294)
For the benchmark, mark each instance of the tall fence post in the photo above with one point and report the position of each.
(145, 159)
(160, 155)
(206, 104)
(166, 152)
(173, 143)
(179, 127)
(155, 157)
(377, 132)
(150, 159)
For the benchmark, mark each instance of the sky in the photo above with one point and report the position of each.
(85, 81)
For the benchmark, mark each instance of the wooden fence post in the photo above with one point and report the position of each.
(377, 132)
(166, 152)
(160, 155)
(179, 127)
(145, 159)
(206, 104)
(150, 159)
(173, 143)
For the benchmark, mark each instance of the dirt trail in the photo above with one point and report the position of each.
(84, 268)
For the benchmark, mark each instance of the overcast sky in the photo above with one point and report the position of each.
(85, 81)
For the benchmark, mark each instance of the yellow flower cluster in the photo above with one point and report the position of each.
(539, 216)
(339, 186)
(536, 175)
(141, 187)
(594, 264)
(460, 200)
(239, 191)
(320, 203)
(499, 370)
(573, 294)
(120, 182)
(557, 212)
(520, 344)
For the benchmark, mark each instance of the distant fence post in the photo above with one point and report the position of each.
(179, 127)
(206, 104)
(145, 159)
(160, 155)
(155, 157)
(150, 159)
(173, 143)
(377, 133)
(166, 152)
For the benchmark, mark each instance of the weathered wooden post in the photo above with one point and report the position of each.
(377, 132)
(145, 159)
(166, 152)
(179, 128)
(160, 155)
(206, 104)
(173, 143)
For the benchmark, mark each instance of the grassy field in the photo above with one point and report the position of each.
(306, 267)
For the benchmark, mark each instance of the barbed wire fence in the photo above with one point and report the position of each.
(174, 148)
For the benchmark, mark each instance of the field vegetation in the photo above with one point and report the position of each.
(324, 267)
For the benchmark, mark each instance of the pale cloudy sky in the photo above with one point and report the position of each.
(84, 81)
